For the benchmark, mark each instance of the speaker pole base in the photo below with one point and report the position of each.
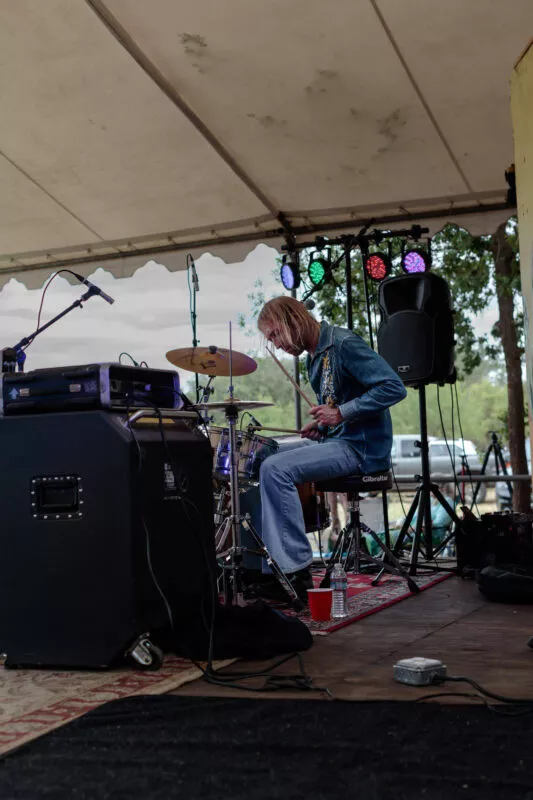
(422, 502)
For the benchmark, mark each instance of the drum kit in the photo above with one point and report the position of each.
(237, 457)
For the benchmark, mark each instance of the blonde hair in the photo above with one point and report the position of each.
(292, 318)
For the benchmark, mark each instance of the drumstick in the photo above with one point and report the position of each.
(263, 428)
(298, 389)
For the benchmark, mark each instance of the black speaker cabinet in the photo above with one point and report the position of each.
(92, 518)
(496, 540)
(415, 335)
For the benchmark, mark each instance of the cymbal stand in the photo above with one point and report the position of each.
(232, 570)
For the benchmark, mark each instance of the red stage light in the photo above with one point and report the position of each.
(377, 266)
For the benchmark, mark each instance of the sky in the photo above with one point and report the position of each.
(150, 315)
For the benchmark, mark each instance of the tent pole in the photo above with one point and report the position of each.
(348, 277)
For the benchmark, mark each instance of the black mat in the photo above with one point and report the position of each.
(177, 747)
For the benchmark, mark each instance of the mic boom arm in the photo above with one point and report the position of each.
(27, 340)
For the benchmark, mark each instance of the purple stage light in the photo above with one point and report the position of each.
(414, 261)
(290, 272)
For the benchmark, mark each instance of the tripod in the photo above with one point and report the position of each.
(422, 498)
(494, 447)
(232, 569)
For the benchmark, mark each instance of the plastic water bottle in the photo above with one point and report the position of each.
(339, 584)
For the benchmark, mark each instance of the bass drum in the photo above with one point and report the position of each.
(316, 512)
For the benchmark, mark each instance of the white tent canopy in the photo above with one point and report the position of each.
(141, 128)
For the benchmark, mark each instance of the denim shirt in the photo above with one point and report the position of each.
(344, 371)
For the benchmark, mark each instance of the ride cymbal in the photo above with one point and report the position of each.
(211, 361)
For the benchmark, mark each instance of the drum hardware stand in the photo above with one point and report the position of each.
(233, 592)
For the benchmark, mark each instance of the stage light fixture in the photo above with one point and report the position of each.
(318, 268)
(415, 261)
(290, 272)
(377, 266)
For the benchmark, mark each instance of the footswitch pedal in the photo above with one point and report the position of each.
(419, 671)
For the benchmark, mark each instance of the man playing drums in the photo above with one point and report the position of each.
(351, 425)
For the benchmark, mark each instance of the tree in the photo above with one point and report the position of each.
(477, 413)
(507, 273)
(477, 270)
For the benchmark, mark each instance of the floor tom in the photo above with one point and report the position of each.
(314, 507)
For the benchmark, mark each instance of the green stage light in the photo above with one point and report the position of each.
(318, 269)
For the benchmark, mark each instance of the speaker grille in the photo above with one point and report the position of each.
(415, 335)
(406, 342)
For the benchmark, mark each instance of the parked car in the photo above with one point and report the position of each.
(503, 496)
(444, 459)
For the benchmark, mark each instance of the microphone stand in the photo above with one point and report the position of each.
(195, 343)
(27, 340)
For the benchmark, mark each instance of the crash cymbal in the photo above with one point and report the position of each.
(211, 360)
(240, 405)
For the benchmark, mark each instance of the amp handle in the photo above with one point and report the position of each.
(165, 412)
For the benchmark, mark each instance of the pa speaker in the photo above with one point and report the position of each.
(105, 536)
(415, 335)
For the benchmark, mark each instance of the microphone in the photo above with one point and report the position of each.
(96, 289)
(306, 299)
(194, 274)
(254, 421)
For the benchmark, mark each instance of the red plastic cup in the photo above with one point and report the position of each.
(320, 604)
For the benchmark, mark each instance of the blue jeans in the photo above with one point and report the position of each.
(282, 523)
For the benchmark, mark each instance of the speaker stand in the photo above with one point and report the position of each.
(422, 499)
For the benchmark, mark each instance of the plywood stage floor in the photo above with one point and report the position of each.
(451, 621)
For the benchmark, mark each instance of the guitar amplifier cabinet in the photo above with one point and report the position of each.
(90, 386)
(494, 540)
(104, 530)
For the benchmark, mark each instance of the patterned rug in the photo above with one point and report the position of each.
(365, 599)
(34, 702)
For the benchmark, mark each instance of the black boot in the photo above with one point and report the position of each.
(274, 592)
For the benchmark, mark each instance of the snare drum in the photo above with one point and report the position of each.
(252, 452)
(316, 513)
